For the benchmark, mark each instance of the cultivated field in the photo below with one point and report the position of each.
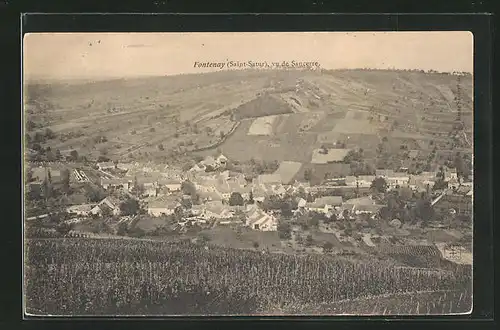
(139, 277)
(161, 117)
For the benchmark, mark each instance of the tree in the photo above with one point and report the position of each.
(284, 230)
(187, 203)
(188, 188)
(424, 210)
(250, 199)
(314, 220)
(49, 134)
(308, 174)
(309, 240)
(50, 156)
(327, 246)
(332, 218)
(39, 137)
(379, 184)
(95, 195)
(74, 155)
(64, 228)
(58, 154)
(130, 207)
(122, 229)
(236, 199)
(65, 179)
(161, 147)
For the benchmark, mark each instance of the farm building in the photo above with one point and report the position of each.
(363, 208)
(217, 210)
(173, 185)
(397, 179)
(257, 219)
(209, 195)
(261, 191)
(81, 210)
(325, 204)
(413, 154)
(384, 173)
(164, 205)
(109, 204)
(332, 155)
(361, 181)
(106, 165)
(124, 183)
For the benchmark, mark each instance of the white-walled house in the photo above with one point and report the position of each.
(324, 204)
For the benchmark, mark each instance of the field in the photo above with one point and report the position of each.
(129, 277)
(429, 303)
(261, 106)
(262, 126)
(332, 155)
(158, 116)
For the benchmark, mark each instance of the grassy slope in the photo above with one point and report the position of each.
(415, 100)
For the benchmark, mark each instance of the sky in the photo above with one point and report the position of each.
(62, 56)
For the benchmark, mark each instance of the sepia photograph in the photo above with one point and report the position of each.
(249, 174)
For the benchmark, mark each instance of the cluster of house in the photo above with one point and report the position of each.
(395, 179)
(162, 194)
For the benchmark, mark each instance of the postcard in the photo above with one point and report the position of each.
(255, 174)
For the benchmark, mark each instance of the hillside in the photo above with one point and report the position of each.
(163, 117)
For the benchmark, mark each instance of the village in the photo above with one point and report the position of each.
(360, 212)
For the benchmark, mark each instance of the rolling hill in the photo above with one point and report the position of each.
(160, 117)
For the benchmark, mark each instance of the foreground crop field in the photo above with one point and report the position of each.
(103, 277)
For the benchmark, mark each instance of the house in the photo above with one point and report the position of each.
(116, 183)
(110, 204)
(173, 185)
(397, 179)
(215, 209)
(197, 168)
(164, 205)
(124, 166)
(209, 161)
(221, 160)
(413, 154)
(106, 165)
(364, 208)
(450, 174)
(260, 193)
(302, 203)
(81, 210)
(360, 181)
(257, 219)
(384, 173)
(325, 204)
(209, 195)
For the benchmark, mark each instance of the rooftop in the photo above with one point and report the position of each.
(327, 200)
